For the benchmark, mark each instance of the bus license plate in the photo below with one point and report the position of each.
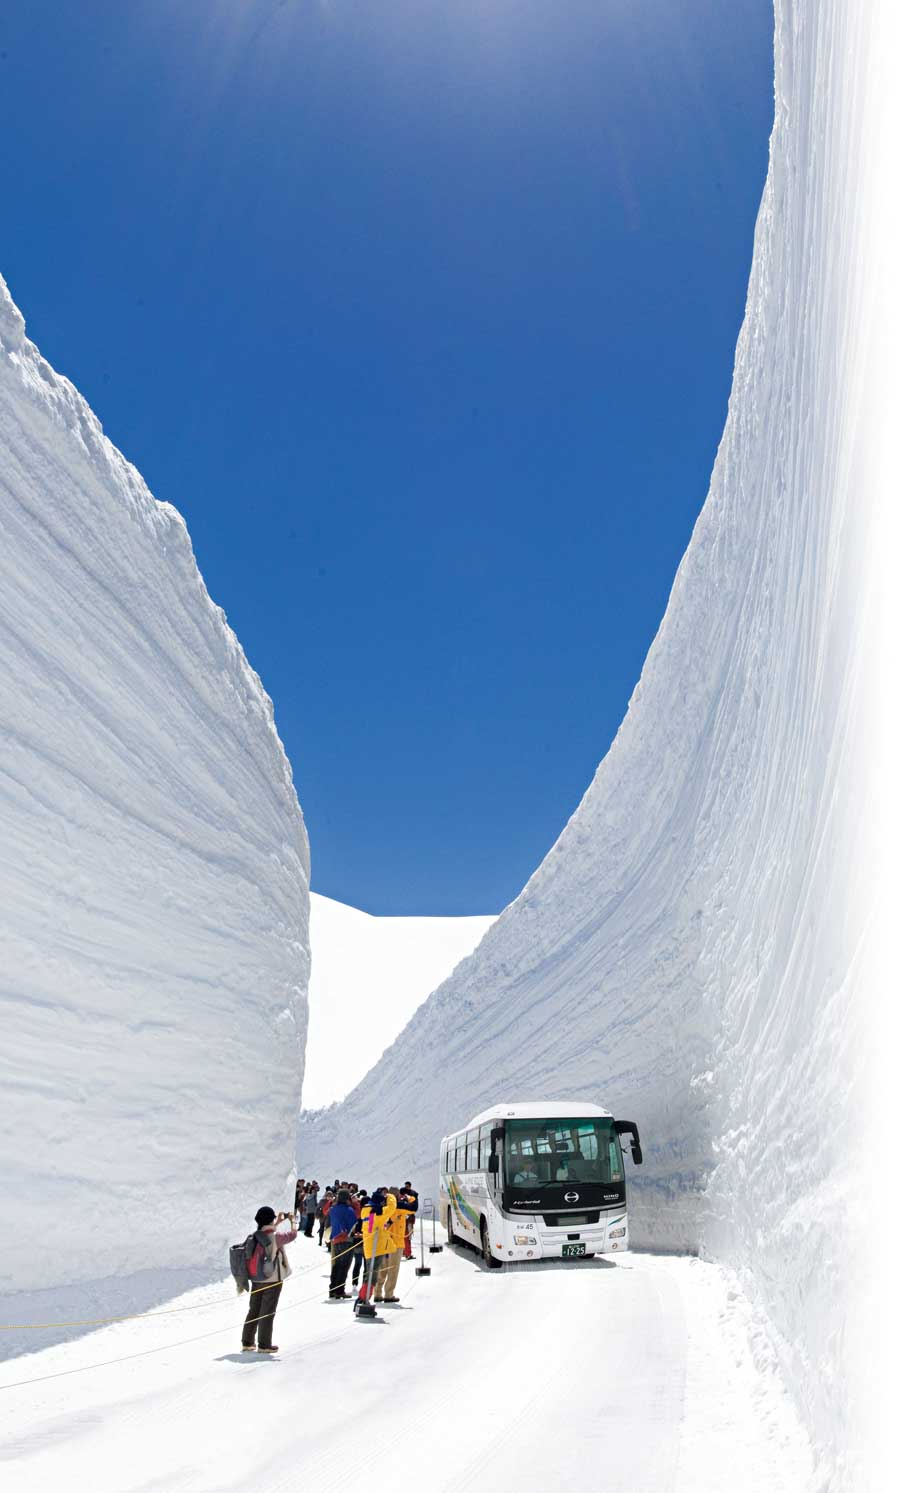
(572, 1249)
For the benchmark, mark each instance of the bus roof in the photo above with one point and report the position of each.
(546, 1109)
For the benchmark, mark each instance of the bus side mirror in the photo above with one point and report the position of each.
(493, 1162)
(628, 1127)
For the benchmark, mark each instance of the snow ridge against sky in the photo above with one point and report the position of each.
(154, 865)
(688, 954)
(368, 977)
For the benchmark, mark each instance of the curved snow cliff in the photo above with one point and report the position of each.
(153, 870)
(687, 953)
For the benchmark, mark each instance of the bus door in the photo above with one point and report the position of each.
(491, 1152)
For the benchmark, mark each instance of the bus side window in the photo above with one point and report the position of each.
(484, 1148)
(472, 1150)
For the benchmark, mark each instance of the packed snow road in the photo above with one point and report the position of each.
(641, 1375)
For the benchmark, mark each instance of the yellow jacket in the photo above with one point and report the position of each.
(379, 1226)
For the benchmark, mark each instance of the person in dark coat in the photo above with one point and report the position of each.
(343, 1220)
(311, 1203)
(358, 1200)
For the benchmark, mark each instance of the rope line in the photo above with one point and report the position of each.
(144, 1352)
(185, 1342)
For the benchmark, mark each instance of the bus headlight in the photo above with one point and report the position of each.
(617, 1233)
(523, 1239)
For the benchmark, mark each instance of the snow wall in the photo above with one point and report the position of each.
(689, 953)
(154, 870)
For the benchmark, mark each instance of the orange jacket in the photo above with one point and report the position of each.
(399, 1223)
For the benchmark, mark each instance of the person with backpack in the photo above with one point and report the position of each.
(343, 1220)
(267, 1269)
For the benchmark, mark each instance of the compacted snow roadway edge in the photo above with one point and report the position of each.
(639, 1375)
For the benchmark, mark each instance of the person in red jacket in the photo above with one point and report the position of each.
(410, 1192)
(324, 1211)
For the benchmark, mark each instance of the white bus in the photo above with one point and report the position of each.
(537, 1181)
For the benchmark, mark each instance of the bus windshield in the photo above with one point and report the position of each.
(547, 1152)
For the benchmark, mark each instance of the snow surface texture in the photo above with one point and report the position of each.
(690, 952)
(630, 1376)
(153, 866)
(368, 976)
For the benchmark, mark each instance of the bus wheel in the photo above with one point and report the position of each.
(451, 1237)
(486, 1254)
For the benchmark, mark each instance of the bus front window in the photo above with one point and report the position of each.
(546, 1152)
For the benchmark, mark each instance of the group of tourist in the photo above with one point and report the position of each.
(366, 1234)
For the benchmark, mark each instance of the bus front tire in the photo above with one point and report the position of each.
(486, 1254)
(451, 1237)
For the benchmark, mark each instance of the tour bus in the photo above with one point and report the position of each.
(537, 1181)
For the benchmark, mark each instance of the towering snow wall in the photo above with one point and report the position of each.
(689, 952)
(153, 871)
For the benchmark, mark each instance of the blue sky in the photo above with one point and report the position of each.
(423, 313)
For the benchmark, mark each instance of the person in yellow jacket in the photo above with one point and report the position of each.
(407, 1203)
(375, 1218)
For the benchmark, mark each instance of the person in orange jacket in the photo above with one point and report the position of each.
(375, 1218)
(407, 1203)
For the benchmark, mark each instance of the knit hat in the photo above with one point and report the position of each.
(265, 1216)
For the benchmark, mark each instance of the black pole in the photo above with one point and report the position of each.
(423, 1269)
(434, 1248)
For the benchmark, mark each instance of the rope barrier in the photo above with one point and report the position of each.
(144, 1352)
(186, 1342)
